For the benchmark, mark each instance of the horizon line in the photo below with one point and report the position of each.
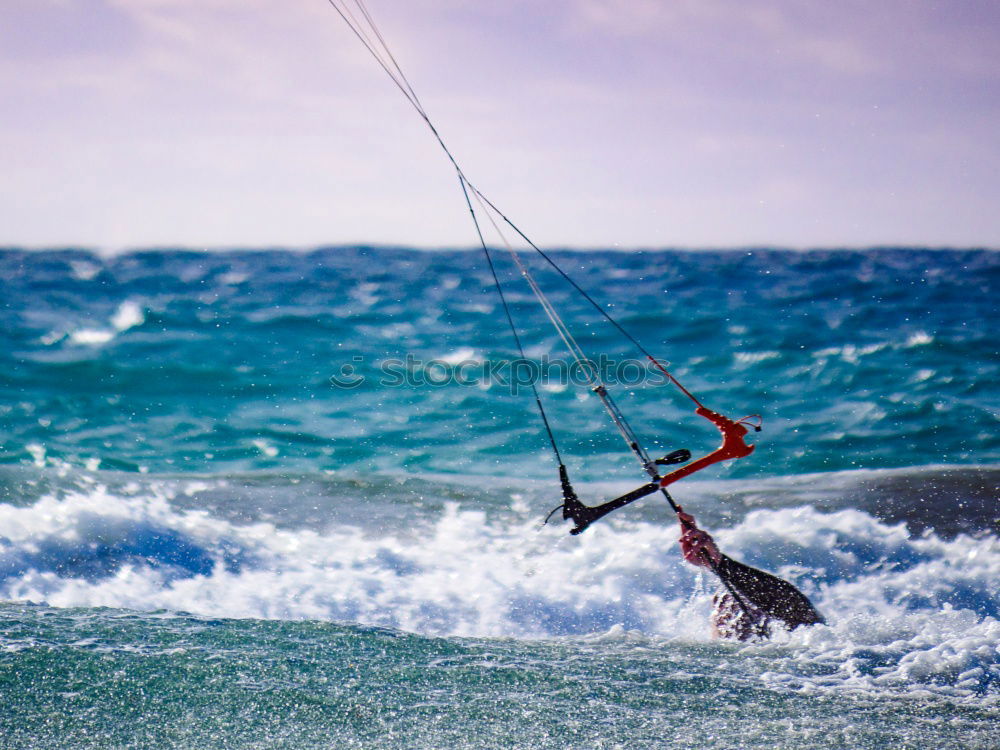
(324, 247)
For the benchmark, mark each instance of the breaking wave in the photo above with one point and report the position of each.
(906, 612)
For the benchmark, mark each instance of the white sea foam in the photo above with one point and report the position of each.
(91, 336)
(266, 448)
(233, 277)
(478, 307)
(752, 358)
(849, 352)
(457, 357)
(904, 614)
(365, 294)
(920, 338)
(128, 315)
(37, 453)
(84, 270)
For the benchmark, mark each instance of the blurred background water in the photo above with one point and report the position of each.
(199, 524)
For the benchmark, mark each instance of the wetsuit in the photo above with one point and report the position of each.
(772, 599)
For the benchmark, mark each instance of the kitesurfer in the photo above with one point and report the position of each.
(753, 599)
(766, 599)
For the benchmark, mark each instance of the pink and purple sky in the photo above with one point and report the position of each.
(592, 123)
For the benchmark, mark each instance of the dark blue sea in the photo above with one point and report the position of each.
(280, 499)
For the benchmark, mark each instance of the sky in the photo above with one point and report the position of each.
(591, 123)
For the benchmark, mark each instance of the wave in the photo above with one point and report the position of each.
(944, 498)
(907, 612)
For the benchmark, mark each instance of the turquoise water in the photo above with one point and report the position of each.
(224, 522)
(250, 683)
(180, 361)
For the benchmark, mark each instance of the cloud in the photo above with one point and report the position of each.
(592, 121)
(40, 31)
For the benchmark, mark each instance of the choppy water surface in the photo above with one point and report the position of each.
(206, 541)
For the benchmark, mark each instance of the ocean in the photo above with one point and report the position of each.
(295, 499)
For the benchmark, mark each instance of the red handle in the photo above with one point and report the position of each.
(733, 446)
